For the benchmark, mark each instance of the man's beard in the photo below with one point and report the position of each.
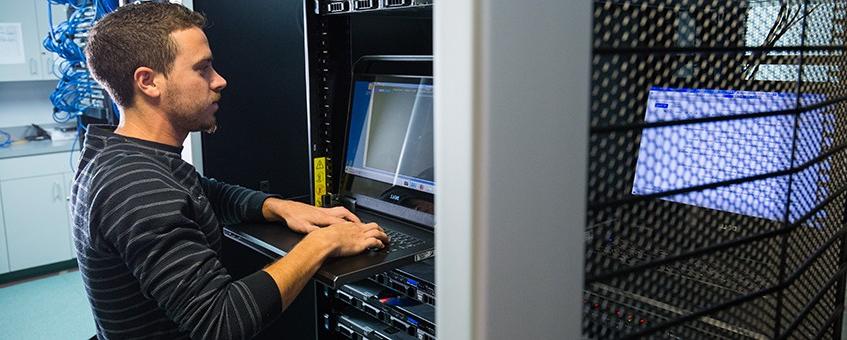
(189, 115)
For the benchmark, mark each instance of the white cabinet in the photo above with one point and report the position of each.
(4, 259)
(36, 215)
(22, 47)
(33, 192)
(23, 26)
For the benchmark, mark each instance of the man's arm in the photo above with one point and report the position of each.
(235, 204)
(338, 238)
(232, 203)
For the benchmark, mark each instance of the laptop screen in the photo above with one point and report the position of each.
(682, 156)
(389, 145)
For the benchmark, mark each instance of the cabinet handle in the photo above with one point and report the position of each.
(33, 66)
(57, 192)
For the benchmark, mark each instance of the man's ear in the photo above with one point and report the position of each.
(147, 82)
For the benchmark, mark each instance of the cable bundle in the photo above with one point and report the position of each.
(77, 92)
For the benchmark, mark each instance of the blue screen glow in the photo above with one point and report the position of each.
(682, 156)
(391, 134)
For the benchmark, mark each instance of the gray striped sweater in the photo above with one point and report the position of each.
(147, 230)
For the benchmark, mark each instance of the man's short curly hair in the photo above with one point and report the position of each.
(134, 36)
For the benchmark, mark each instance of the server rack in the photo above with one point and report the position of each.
(259, 49)
(696, 259)
(399, 304)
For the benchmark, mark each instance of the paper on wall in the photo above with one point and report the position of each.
(11, 43)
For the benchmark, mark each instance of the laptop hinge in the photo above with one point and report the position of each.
(347, 202)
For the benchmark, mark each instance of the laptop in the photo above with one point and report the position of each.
(388, 173)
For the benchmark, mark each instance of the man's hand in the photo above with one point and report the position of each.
(304, 218)
(349, 238)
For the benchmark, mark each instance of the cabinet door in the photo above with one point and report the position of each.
(20, 45)
(4, 259)
(36, 217)
(68, 180)
(59, 16)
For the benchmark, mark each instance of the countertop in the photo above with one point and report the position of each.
(21, 147)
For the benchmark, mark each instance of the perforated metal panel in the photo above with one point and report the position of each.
(716, 170)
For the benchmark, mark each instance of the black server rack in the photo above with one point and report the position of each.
(261, 141)
(716, 170)
(399, 304)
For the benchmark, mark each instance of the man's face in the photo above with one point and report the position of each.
(193, 86)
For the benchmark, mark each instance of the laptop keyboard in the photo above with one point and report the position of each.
(400, 241)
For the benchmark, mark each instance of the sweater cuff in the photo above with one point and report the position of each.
(266, 294)
(254, 206)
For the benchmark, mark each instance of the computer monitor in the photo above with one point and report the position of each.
(682, 156)
(389, 146)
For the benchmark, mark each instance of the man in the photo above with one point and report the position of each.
(147, 227)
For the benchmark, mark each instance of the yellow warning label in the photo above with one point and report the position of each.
(320, 180)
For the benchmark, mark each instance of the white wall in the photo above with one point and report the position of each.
(24, 103)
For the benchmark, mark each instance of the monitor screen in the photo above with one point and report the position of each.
(681, 156)
(389, 152)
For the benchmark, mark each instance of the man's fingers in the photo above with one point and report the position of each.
(374, 243)
(342, 212)
(371, 226)
(377, 234)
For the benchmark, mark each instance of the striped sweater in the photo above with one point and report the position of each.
(147, 230)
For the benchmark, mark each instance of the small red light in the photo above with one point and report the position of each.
(596, 306)
(642, 321)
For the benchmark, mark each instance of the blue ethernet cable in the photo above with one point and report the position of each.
(7, 139)
(76, 91)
